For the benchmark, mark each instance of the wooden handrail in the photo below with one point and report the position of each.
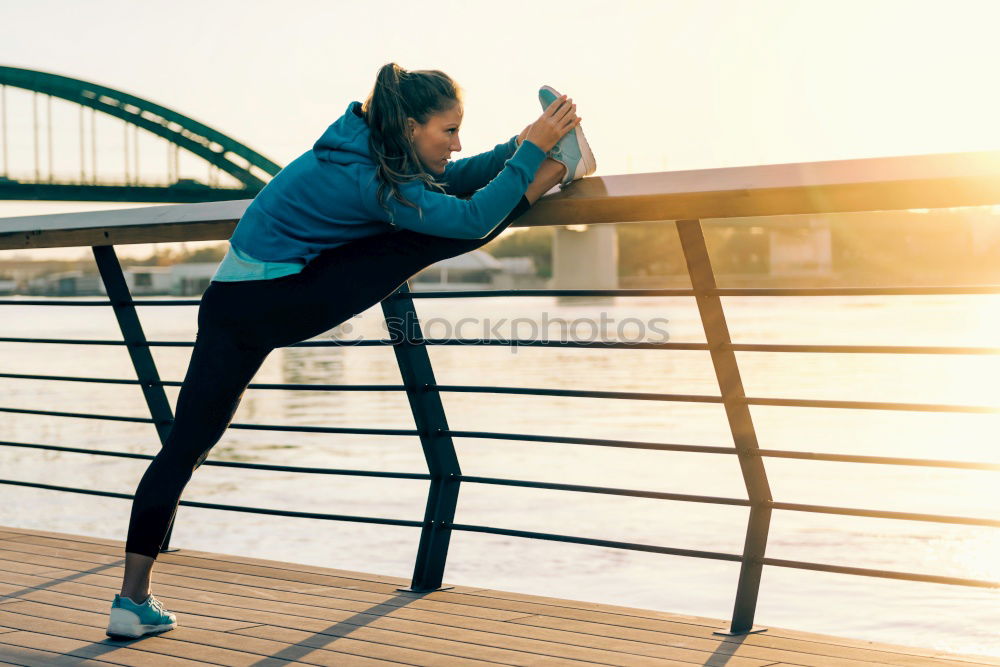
(838, 186)
(871, 184)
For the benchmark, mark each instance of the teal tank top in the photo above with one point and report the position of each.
(237, 265)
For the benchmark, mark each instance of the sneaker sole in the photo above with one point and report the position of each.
(124, 623)
(586, 155)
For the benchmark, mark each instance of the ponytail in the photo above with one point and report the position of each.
(397, 95)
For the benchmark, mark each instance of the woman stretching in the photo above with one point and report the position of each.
(336, 231)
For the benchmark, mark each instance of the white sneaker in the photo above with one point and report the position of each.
(131, 619)
(572, 150)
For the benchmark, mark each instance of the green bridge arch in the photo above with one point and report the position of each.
(213, 146)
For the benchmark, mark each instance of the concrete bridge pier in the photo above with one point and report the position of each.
(585, 257)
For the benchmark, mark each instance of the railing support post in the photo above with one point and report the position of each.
(727, 373)
(439, 450)
(135, 340)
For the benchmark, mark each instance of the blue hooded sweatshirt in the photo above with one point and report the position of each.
(327, 197)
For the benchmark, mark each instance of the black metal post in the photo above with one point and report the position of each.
(135, 340)
(439, 450)
(727, 372)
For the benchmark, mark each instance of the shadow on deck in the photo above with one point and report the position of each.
(56, 591)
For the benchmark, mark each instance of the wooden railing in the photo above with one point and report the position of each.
(915, 182)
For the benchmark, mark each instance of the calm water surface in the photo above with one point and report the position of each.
(931, 615)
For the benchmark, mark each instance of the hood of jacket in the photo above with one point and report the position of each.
(346, 140)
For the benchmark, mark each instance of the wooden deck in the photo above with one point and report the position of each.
(56, 591)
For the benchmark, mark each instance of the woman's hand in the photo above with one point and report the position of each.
(524, 133)
(558, 119)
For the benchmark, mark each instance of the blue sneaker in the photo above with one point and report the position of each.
(573, 149)
(131, 619)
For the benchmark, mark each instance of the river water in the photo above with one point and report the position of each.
(931, 615)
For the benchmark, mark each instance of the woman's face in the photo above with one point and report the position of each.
(435, 140)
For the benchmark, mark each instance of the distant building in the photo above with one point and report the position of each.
(179, 279)
(67, 283)
(22, 271)
(191, 279)
(518, 273)
(520, 266)
(148, 280)
(473, 270)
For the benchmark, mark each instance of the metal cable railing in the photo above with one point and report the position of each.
(524, 437)
(424, 393)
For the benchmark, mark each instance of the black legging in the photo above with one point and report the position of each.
(240, 322)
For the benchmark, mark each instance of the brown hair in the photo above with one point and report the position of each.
(396, 95)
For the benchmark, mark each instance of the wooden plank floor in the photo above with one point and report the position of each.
(56, 591)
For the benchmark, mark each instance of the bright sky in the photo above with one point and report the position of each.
(662, 85)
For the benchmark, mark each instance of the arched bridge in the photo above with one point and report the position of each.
(83, 156)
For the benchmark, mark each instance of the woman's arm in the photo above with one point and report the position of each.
(449, 216)
(471, 173)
